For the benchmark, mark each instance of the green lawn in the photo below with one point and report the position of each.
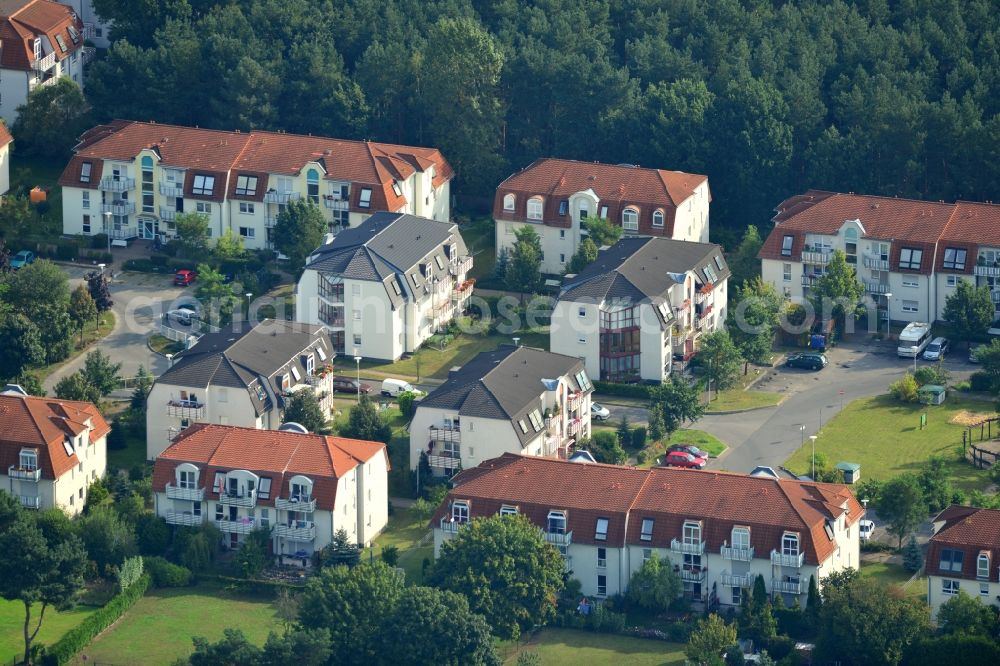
(163, 345)
(480, 238)
(54, 626)
(26, 173)
(734, 399)
(699, 438)
(884, 437)
(568, 647)
(894, 574)
(92, 332)
(405, 530)
(159, 628)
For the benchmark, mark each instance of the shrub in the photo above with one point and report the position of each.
(625, 390)
(405, 401)
(141, 266)
(679, 632)
(980, 381)
(965, 387)
(390, 555)
(66, 251)
(638, 437)
(99, 242)
(607, 621)
(906, 389)
(158, 259)
(130, 572)
(167, 574)
(926, 375)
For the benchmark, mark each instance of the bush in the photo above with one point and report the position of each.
(130, 572)
(99, 242)
(66, 251)
(405, 401)
(638, 438)
(679, 632)
(926, 375)
(79, 637)
(906, 389)
(390, 555)
(625, 390)
(141, 266)
(965, 387)
(158, 259)
(606, 621)
(980, 381)
(167, 574)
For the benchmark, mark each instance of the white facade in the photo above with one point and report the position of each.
(96, 30)
(941, 589)
(4, 168)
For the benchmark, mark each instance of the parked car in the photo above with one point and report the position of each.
(183, 315)
(689, 448)
(806, 360)
(393, 387)
(866, 527)
(183, 277)
(22, 259)
(974, 353)
(348, 385)
(599, 412)
(684, 459)
(936, 350)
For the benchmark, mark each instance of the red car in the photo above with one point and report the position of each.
(684, 459)
(184, 277)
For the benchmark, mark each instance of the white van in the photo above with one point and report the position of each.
(393, 387)
(914, 339)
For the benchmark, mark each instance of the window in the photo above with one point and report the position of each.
(536, 420)
(397, 190)
(601, 532)
(507, 510)
(312, 185)
(630, 219)
(61, 42)
(28, 460)
(602, 585)
(954, 258)
(583, 381)
(692, 532)
(602, 558)
(911, 306)
(557, 522)
(248, 232)
(186, 479)
(658, 218)
(219, 515)
(460, 512)
(310, 364)
(983, 566)
(710, 274)
(720, 262)
(86, 200)
(355, 290)
(85, 170)
(265, 518)
(949, 587)
(563, 206)
(86, 224)
(562, 258)
(73, 34)
(203, 208)
(357, 340)
(535, 208)
(296, 374)
(786, 272)
(851, 245)
(909, 259)
(356, 315)
(562, 234)
(951, 280)
(147, 185)
(646, 534)
(247, 208)
(246, 186)
(984, 589)
(647, 553)
(737, 593)
(786, 245)
(508, 202)
(741, 537)
(951, 560)
(604, 212)
(203, 185)
(790, 544)
(910, 282)
(523, 426)
(365, 198)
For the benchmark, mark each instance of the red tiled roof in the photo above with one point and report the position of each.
(278, 454)
(972, 531)
(617, 186)
(5, 135)
(670, 496)
(22, 20)
(71, 174)
(44, 424)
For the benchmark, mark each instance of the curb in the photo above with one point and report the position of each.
(744, 411)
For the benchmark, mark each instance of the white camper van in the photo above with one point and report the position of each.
(914, 338)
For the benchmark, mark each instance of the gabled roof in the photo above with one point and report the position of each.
(277, 454)
(972, 531)
(504, 384)
(45, 424)
(21, 21)
(5, 135)
(669, 496)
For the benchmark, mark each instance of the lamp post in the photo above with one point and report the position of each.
(888, 295)
(248, 295)
(802, 434)
(357, 362)
(812, 438)
(107, 228)
(914, 349)
(100, 266)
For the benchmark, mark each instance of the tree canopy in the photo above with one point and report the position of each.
(299, 231)
(969, 310)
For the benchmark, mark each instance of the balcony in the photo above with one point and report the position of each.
(167, 214)
(270, 221)
(574, 427)
(786, 586)
(781, 560)
(190, 494)
(299, 530)
(124, 233)
(461, 266)
(245, 499)
(463, 291)
(573, 401)
(332, 322)
(821, 258)
(737, 554)
(809, 280)
(245, 526)
(87, 54)
(446, 460)
(183, 518)
(449, 526)
(336, 204)
(987, 271)
(558, 538)
(30, 501)
(877, 263)
(445, 434)
(185, 409)
(334, 293)
(41, 83)
(693, 575)
(119, 208)
(877, 287)
(687, 548)
(88, 31)
(737, 580)
(171, 189)
(304, 504)
(24, 473)
(112, 184)
(44, 63)
(281, 197)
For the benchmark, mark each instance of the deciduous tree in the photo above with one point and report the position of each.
(366, 422)
(51, 119)
(678, 403)
(192, 235)
(303, 408)
(20, 345)
(755, 309)
(970, 310)
(81, 308)
(721, 360)
(743, 262)
(101, 373)
(523, 268)
(963, 614)
(654, 586)
(299, 231)
(710, 639)
(902, 505)
(837, 292)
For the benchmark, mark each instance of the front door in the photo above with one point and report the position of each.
(150, 229)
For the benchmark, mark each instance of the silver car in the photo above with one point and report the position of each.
(935, 351)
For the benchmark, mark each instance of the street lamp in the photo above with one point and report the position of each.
(888, 295)
(107, 228)
(914, 349)
(802, 434)
(248, 295)
(812, 438)
(101, 266)
(357, 362)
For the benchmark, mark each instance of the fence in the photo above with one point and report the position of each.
(981, 432)
(176, 335)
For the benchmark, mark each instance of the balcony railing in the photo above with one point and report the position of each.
(444, 434)
(737, 554)
(111, 184)
(191, 494)
(449, 526)
(246, 499)
(463, 291)
(87, 54)
(303, 504)
(183, 518)
(737, 580)
(167, 214)
(987, 271)
(88, 31)
(693, 575)
(445, 460)
(574, 426)
(782, 560)
(877, 263)
(809, 280)
(463, 265)
(185, 409)
(41, 83)
(119, 208)
(813, 257)
(44, 63)
(270, 221)
(336, 204)
(334, 322)
(558, 538)
(281, 197)
(124, 233)
(687, 548)
(24, 473)
(299, 530)
(877, 287)
(30, 501)
(236, 526)
(171, 189)
(786, 586)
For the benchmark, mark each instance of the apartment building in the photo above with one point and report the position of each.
(909, 254)
(240, 376)
(5, 140)
(510, 400)
(964, 554)
(302, 487)
(642, 303)
(554, 197)
(51, 450)
(97, 30)
(719, 530)
(42, 40)
(133, 179)
(383, 288)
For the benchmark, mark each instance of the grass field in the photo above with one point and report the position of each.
(55, 625)
(163, 345)
(567, 647)
(159, 628)
(405, 530)
(479, 237)
(699, 438)
(735, 399)
(28, 172)
(894, 574)
(884, 436)
(91, 334)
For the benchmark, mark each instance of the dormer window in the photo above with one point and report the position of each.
(300, 491)
(646, 533)
(658, 218)
(910, 258)
(74, 34)
(584, 209)
(312, 185)
(983, 565)
(508, 202)
(37, 46)
(85, 170)
(460, 512)
(187, 478)
(741, 538)
(61, 42)
(203, 185)
(28, 460)
(296, 374)
(786, 245)
(601, 531)
(563, 206)
(535, 208)
(507, 510)
(790, 544)
(557, 522)
(954, 258)
(630, 219)
(397, 190)
(692, 532)
(365, 198)
(246, 186)
(604, 212)
(310, 364)
(951, 560)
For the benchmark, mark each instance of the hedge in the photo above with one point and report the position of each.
(67, 647)
(252, 586)
(167, 574)
(640, 391)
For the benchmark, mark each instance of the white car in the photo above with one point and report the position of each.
(599, 412)
(183, 315)
(866, 527)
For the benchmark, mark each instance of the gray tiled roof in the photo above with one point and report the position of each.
(503, 384)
